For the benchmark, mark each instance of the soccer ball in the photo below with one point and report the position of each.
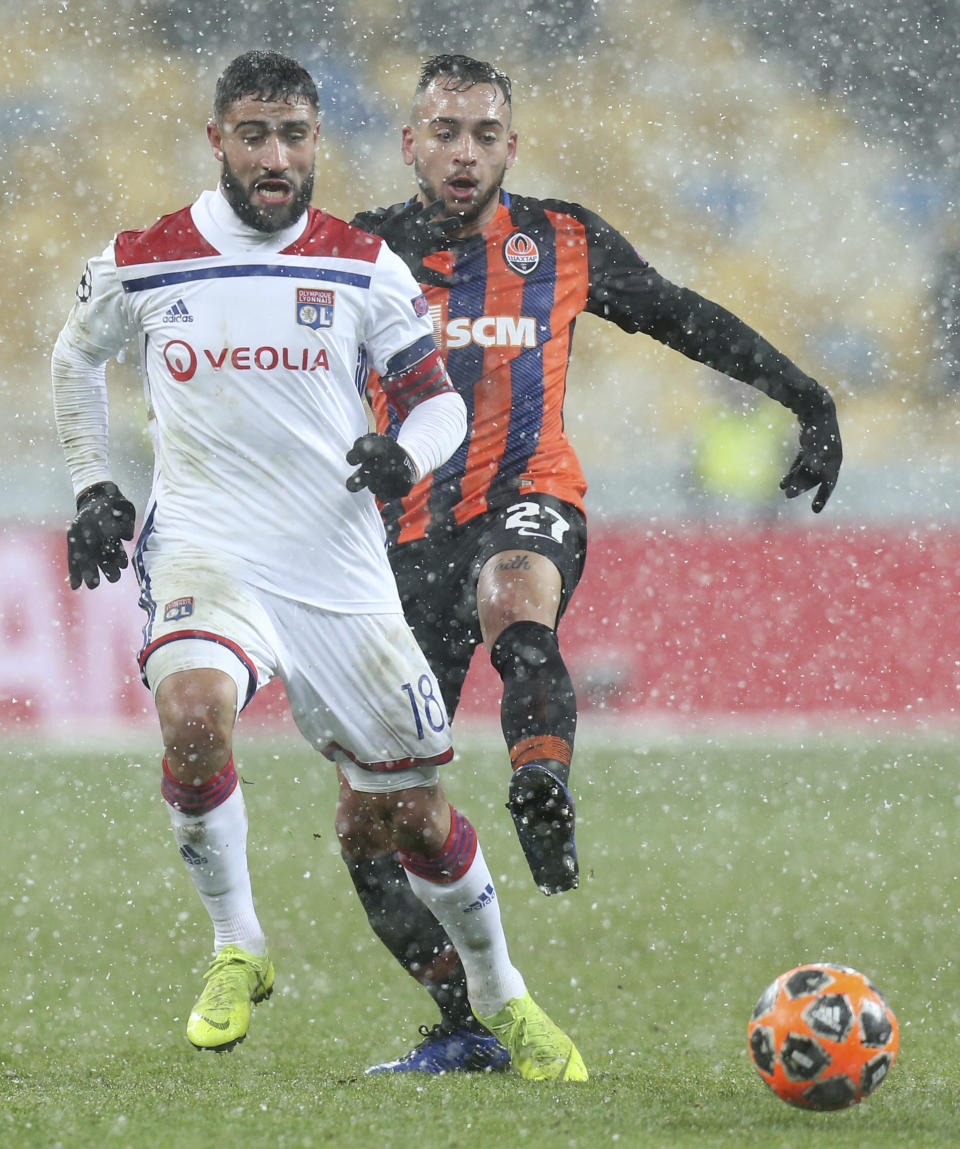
(822, 1036)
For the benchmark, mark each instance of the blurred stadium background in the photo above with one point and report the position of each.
(797, 167)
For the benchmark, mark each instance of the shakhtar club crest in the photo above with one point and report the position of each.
(521, 253)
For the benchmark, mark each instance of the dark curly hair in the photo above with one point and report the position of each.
(465, 72)
(267, 76)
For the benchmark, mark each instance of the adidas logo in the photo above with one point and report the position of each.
(191, 857)
(177, 313)
(486, 898)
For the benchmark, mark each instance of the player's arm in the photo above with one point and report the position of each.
(705, 331)
(95, 330)
(415, 381)
(625, 289)
(434, 424)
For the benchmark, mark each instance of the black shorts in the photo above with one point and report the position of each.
(437, 576)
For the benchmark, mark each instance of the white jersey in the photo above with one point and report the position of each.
(254, 351)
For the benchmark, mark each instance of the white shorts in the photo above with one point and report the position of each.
(360, 690)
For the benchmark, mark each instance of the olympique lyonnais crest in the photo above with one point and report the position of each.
(521, 253)
(314, 307)
(178, 608)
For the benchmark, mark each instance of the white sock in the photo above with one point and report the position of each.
(470, 913)
(214, 847)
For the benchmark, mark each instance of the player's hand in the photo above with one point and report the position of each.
(104, 518)
(415, 232)
(385, 467)
(818, 462)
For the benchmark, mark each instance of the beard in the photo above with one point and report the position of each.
(466, 214)
(270, 219)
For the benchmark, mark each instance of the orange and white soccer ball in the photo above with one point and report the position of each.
(822, 1036)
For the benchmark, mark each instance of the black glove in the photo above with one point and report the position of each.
(385, 467)
(104, 517)
(414, 233)
(818, 463)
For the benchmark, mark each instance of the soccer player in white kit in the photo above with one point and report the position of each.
(262, 551)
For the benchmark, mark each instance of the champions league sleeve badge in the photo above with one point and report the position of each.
(85, 286)
(314, 307)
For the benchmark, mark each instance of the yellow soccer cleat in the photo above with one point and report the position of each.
(539, 1050)
(235, 980)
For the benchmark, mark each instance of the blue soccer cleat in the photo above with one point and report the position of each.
(450, 1051)
(544, 815)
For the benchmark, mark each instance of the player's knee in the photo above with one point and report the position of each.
(361, 836)
(527, 650)
(197, 712)
(195, 748)
(415, 819)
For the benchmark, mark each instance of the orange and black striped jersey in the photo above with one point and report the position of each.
(505, 328)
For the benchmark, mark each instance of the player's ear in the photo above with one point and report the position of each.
(511, 149)
(406, 144)
(216, 140)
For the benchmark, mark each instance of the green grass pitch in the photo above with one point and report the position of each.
(709, 865)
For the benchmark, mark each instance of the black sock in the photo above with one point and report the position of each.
(538, 713)
(413, 935)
